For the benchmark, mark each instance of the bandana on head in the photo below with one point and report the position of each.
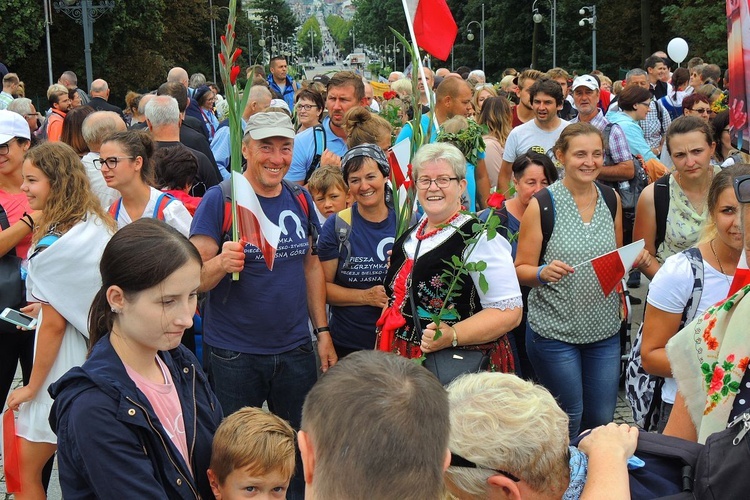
(369, 151)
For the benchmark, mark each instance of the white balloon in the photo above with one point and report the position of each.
(677, 50)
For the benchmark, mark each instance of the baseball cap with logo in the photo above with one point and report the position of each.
(587, 81)
(13, 125)
(269, 124)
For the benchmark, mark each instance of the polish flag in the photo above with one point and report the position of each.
(398, 158)
(11, 461)
(434, 27)
(254, 227)
(611, 267)
(741, 276)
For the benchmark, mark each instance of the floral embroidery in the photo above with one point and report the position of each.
(742, 366)
(719, 379)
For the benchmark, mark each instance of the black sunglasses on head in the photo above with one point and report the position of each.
(459, 461)
(742, 188)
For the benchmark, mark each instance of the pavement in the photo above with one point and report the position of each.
(622, 411)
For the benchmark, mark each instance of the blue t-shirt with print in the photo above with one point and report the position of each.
(265, 312)
(353, 327)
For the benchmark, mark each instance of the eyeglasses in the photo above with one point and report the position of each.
(307, 107)
(111, 162)
(742, 188)
(702, 111)
(647, 104)
(4, 148)
(441, 182)
(459, 461)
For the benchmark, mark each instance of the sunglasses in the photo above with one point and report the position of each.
(742, 188)
(459, 461)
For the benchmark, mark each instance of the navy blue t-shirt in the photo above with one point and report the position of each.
(353, 327)
(265, 312)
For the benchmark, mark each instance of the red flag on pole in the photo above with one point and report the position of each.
(611, 267)
(11, 461)
(434, 27)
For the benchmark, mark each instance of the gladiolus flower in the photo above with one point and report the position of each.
(236, 55)
(496, 200)
(222, 59)
(234, 35)
(233, 74)
(229, 27)
(224, 40)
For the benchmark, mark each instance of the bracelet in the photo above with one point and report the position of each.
(322, 329)
(30, 222)
(27, 223)
(539, 275)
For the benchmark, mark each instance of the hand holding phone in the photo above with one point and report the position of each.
(18, 318)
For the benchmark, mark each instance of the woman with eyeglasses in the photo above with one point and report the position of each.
(681, 195)
(309, 108)
(205, 99)
(726, 154)
(634, 102)
(478, 319)
(63, 274)
(125, 162)
(697, 105)
(710, 357)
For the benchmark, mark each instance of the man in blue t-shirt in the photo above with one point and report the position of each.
(345, 91)
(257, 344)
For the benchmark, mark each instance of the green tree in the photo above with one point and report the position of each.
(704, 25)
(373, 19)
(275, 16)
(340, 30)
(310, 38)
(21, 29)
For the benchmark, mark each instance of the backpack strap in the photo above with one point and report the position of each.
(5, 224)
(114, 209)
(299, 194)
(162, 201)
(607, 152)
(226, 222)
(547, 217)
(696, 265)
(319, 138)
(661, 208)
(610, 199)
(343, 229)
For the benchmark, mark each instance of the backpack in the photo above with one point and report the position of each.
(319, 138)
(642, 389)
(297, 192)
(343, 229)
(547, 212)
(629, 190)
(162, 201)
(661, 209)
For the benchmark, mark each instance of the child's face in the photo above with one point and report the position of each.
(240, 484)
(330, 202)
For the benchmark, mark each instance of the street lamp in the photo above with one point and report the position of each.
(312, 45)
(354, 47)
(470, 36)
(538, 18)
(84, 12)
(592, 21)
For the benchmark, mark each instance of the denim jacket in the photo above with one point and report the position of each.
(110, 441)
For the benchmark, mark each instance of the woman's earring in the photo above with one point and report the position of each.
(116, 311)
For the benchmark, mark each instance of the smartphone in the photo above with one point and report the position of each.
(18, 318)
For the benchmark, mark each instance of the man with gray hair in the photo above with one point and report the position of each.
(99, 95)
(24, 107)
(478, 75)
(260, 99)
(196, 80)
(163, 120)
(95, 128)
(395, 75)
(70, 81)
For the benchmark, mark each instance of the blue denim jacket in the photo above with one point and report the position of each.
(110, 441)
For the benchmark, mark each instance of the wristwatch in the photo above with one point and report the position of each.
(454, 343)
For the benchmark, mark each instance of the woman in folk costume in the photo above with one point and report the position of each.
(64, 277)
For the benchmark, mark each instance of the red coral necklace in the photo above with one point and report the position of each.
(421, 235)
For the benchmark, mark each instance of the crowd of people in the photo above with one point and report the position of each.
(158, 338)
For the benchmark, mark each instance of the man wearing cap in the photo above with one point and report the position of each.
(325, 145)
(257, 343)
(279, 80)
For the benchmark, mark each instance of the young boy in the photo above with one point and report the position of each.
(252, 456)
(328, 190)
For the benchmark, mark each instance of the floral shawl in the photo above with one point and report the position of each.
(709, 358)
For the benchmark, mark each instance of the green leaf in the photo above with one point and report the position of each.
(483, 285)
(456, 260)
(724, 391)
(727, 365)
(481, 266)
(491, 233)
(734, 386)
(471, 267)
(727, 378)
(706, 369)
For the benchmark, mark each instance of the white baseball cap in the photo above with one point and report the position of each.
(13, 125)
(587, 81)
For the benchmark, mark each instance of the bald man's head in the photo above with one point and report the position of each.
(98, 126)
(178, 75)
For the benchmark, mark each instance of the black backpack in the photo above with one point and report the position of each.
(661, 208)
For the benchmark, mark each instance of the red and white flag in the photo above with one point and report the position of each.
(741, 276)
(611, 267)
(398, 158)
(253, 226)
(434, 27)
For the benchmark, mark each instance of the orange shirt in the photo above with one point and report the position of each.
(55, 125)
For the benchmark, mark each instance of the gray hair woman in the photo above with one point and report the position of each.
(477, 320)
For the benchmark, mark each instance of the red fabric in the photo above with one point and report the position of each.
(251, 232)
(609, 270)
(392, 319)
(741, 278)
(190, 202)
(11, 461)
(398, 172)
(434, 27)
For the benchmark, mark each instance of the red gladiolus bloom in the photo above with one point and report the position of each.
(222, 59)
(233, 74)
(224, 40)
(236, 55)
(229, 27)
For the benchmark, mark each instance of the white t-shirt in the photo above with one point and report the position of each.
(523, 137)
(175, 214)
(671, 289)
